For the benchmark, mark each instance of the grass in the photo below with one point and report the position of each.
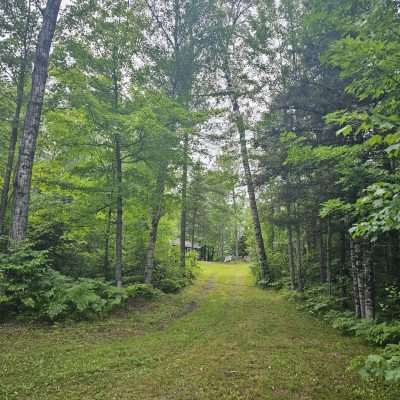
(220, 339)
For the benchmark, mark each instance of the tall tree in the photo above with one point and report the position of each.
(183, 33)
(115, 29)
(23, 177)
(18, 28)
(235, 18)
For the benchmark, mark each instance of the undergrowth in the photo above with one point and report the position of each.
(385, 364)
(29, 288)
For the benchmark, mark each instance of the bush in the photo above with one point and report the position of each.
(384, 333)
(279, 284)
(142, 290)
(384, 366)
(318, 303)
(133, 279)
(390, 305)
(168, 285)
(28, 287)
(23, 280)
(171, 279)
(345, 323)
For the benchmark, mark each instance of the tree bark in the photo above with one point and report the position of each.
(300, 277)
(156, 216)
(222, 240)
(236, 230)
(368, 273)
(11, 149)
(354, 256)
(23, 177)
(343, 265)
(321, 249)
(194, 226)
(291, 258)
(261, 254)
(329, 257)
(21, 78)
(118, 219)
(106, 263)
(182, 259)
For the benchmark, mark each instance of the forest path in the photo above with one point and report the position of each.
(220, 339)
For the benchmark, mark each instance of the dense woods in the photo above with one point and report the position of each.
(139, 136)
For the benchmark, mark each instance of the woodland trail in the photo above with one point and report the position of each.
(220, 339)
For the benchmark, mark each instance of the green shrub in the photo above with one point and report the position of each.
(171, 279)
(23, 280)
(390, 304)
(345, 323)
(28, 287)
(80, 299)
(133, 279)
(168, 285)
(331, 315)
(319, 303)
(294, 296)
(384, 333)
(142, 290)
(384, 366)
(279, 284)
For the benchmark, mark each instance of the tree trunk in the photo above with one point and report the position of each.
(236, 230)
(156, 216)
(12, 146)
(368, 273)
(23, 177)
(343, 266)
(354, 256)
(182, 258)
(361, 287)
(21, 78)
(329, 257)
(291, 257)
(106, 263)
(271, 238)
(300, 277)
(321, 249)
(261, 254)
(118, 219)
(223, 241)
(194, 226)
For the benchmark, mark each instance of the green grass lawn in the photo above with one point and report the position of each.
(220, 339)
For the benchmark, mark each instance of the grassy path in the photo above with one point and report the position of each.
(220, 339)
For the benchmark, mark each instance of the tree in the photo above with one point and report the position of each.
(23, 176)
(114, 29)
(20, 21)
(182, 38)
(234, 20)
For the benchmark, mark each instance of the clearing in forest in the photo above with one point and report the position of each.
(222, 338)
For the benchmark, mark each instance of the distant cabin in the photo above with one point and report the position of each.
(188, 245)
(205, 252)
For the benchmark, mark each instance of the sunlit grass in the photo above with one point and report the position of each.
(220, 339)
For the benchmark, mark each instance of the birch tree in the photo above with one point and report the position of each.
(18, 28)
(23, 176)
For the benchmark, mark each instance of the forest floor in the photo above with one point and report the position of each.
(220, 339)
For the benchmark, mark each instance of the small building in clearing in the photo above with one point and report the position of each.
(205, 252)
(188, 245)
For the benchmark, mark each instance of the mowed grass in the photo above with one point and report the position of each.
(220, 339)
